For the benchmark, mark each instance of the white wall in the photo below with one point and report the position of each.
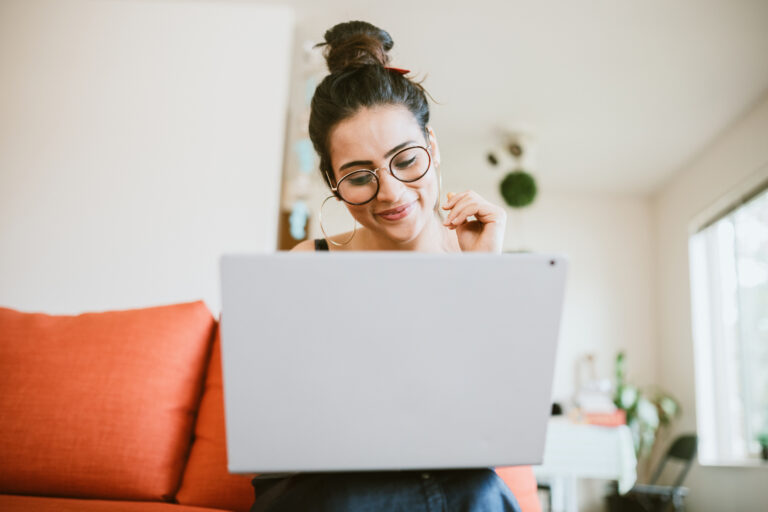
(138, 141)
(735, 155)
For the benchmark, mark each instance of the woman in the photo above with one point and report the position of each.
(378, 155)
(363, 111)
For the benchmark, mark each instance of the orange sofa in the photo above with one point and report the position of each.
(123, 411)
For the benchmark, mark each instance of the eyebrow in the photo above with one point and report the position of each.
(368, 162)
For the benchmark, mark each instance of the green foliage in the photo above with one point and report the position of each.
(762, 438)
(646, 410)
(518, 188)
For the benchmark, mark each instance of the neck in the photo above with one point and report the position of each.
(433, 238)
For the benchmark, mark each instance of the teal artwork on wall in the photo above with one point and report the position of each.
(298, 220)
(305, 152)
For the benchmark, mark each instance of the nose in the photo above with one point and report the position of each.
(390, 188)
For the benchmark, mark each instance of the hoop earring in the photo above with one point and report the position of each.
(439, 210)
(325, 235)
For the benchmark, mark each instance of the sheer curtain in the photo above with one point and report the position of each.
(729, 288)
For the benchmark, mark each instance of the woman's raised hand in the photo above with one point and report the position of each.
(486, 233)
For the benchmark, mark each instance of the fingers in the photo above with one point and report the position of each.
(456, 203)
(452, 199)
(460, 214)
(469, 203)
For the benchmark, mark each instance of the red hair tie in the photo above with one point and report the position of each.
(398, 70)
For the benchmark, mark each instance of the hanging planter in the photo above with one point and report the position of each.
(518, 188)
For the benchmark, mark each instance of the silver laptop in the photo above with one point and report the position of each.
(388, 361)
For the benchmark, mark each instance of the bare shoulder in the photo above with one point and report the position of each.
(305, 245)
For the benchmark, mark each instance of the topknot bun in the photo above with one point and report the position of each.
(355, 44)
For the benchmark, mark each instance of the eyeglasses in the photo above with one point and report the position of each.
(361, 186)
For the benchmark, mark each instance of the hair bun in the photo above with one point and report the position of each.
(355, 44)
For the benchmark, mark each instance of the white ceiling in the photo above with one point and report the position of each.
(618, 94)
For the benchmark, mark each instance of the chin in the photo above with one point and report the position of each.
(402, 236)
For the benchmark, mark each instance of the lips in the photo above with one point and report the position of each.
(398, 212)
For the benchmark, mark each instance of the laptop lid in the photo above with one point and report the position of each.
(384, 360)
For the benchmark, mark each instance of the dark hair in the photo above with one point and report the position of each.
(356, 54)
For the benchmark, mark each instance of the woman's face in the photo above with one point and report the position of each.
(371, 136)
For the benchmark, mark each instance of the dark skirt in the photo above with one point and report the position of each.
(472, 490)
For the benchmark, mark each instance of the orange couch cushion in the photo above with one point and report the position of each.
(100, 405)
(522, 482)
(27, 503)
(206, 481)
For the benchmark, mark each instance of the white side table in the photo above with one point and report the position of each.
(574, 451)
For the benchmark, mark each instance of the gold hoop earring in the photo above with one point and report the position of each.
(439, 210)
(320, 218)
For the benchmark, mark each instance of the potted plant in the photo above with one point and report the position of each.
(647, 410)
(762, 438)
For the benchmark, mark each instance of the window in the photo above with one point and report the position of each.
(729, 291)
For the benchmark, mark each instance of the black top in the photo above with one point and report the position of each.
(321, 244)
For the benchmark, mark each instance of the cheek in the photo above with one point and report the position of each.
(428, 186)
(360, 213)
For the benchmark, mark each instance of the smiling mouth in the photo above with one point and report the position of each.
(397, 213)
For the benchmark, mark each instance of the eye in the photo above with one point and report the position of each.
(361, 179)
(405, 163)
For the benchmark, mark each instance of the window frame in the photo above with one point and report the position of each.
(711, 360)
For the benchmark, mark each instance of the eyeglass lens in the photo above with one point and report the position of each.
(361, 186)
